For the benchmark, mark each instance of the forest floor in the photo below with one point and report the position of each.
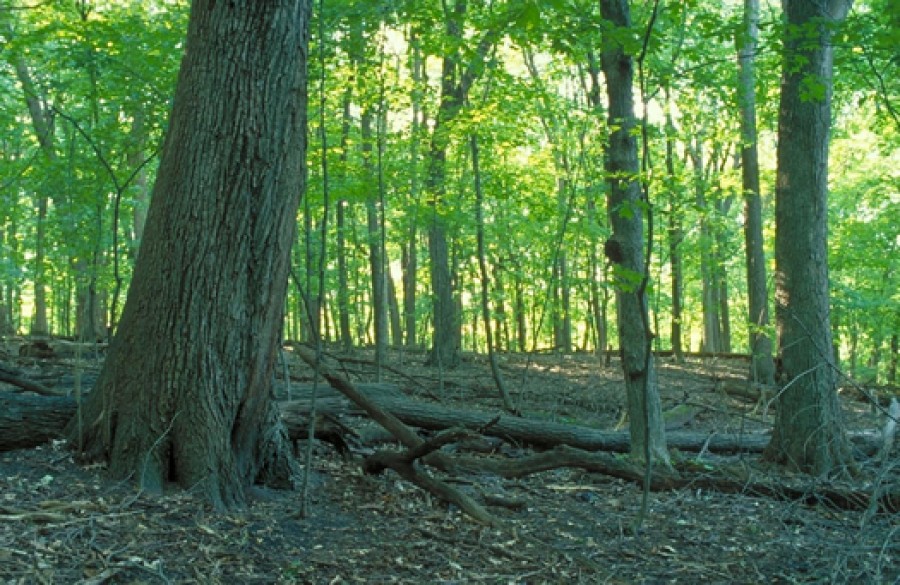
(61, 523)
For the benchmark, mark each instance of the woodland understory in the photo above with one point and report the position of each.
(64, 523)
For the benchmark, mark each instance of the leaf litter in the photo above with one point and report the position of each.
(61, 523)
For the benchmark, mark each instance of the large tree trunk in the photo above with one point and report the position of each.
(185, 393)
(762, 367)
(808, 433)
(626, 246)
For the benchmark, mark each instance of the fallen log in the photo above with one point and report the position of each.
(541, 433)
(14, 377)
(28, 421)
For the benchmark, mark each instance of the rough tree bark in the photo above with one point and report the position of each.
(625, 247)
(185, 393)
(808, 433)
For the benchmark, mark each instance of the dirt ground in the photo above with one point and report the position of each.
(61, 523)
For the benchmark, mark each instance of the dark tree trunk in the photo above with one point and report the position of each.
(185, 393)
(625, 247)
(447, 340)
(809, 433)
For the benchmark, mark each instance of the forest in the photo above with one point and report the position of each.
(519, 291)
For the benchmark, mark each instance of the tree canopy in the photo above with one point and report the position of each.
(87, 87)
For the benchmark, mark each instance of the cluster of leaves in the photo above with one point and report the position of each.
(537, 111)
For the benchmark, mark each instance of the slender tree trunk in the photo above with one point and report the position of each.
(501, 318)
(626, 246)
(762, 366)
(895, 355)
(675, 235)
(379, 285)
(410, 250)
(447, 339)
(598, 307)
(394, 311)
(6, 294)
(185, 393)
(563, 310)
(485, 278)
(724, 312)
(809, 433)
(311, 299)
(519, 311)
(409, 267)
(709, 296)
(42, 122)
(376, 252)
(343, 292)
(599, 299)
(723, 207)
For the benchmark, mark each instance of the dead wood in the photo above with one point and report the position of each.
(14, 377)
(540, 433)
(405, 435)
(755, 393)
(724, 479)
(27, 421)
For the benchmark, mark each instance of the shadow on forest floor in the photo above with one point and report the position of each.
(60, 523)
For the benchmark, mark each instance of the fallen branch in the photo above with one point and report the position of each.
(11, 376)
(544, 433)
(729, 479)
(402, 464)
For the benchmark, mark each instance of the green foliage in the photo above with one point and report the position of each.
(541, 127)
